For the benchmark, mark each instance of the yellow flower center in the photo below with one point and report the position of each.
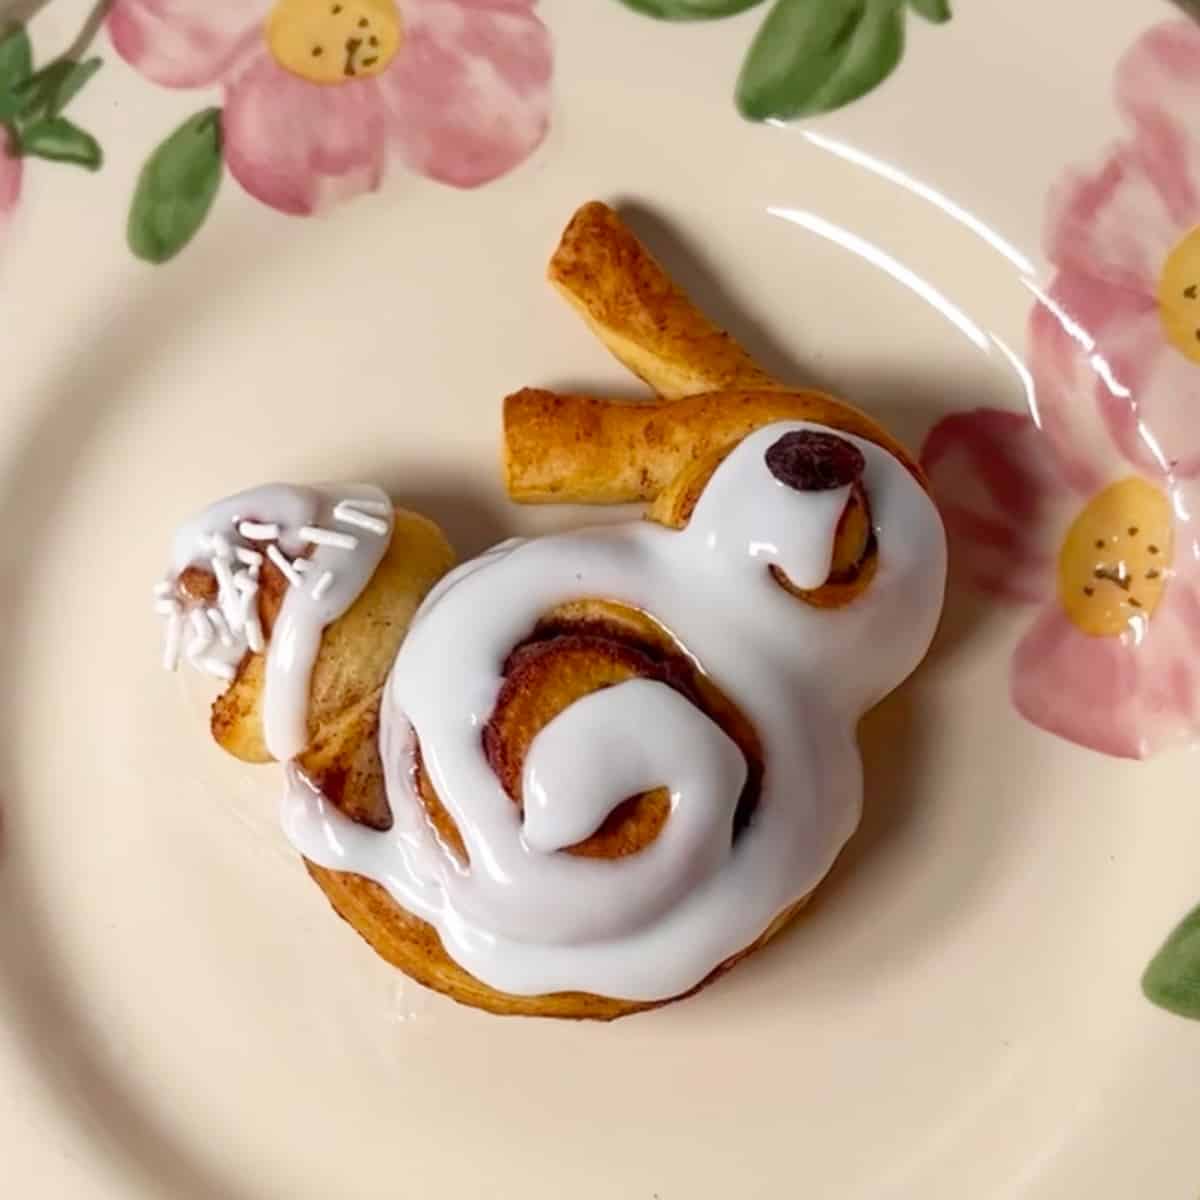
(1179, 296)
(331, 41)
(1116, 558)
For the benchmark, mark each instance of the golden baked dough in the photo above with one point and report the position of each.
(638, 311)
(356, 654)
(357, 650)
(568, 449)
(574, 449)
(413, 946)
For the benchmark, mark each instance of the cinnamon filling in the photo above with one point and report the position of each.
(577, 649)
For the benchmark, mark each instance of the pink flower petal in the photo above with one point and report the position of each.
(185, 43)
(1112, 224)
(10, 175)
(1075, 686)
(1091, 347)
(469, 91)
(1163, 430)
(299, 146)
(1158, 88)
(998, 487)
(1118, 695)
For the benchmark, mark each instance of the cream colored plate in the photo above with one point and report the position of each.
(958, 1017)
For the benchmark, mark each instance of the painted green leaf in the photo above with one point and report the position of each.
(812, 56)
(60, 141)
(176, 188)
(16, 59)
(1172, 980)
(689, 10)
(937, 11)
(49, 92)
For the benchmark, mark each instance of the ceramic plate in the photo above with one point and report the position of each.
(226, 258)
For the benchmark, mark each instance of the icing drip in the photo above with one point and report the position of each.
(230, 539)
(528, 920)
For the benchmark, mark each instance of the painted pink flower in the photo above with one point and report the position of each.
(1125, 238)
(321, 94)
(1087, 508)
(1056, 514)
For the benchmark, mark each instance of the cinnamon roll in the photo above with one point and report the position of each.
(621, 758)
(582, 775)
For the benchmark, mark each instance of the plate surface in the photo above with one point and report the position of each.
(959, 1014)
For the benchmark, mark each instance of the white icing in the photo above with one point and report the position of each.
(231, 533)
(689, 751)
(527, 920)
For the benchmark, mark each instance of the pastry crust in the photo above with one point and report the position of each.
(357, 650)
(577, 649)
(561, 449)
(638, 311)
(414, 947)
(570, 449)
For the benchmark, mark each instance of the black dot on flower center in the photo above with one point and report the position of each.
(1100, 543)
(1133, 531)
(1089, 591)
(810, 461)
(317, 51)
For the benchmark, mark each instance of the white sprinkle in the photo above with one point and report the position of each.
(251, 558)
(247, 610)
(221, 626)
(258, 532)
(278, 557)
(165, 588)
(218, 667)
(221, 546)
(245, 583)
(254, 633)
(224, 573)
(227, 595)
(329, 537)
(348, 514)
(382, 507)
(322, 585)
(166, 608)
(203, 630)
(170, 659)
